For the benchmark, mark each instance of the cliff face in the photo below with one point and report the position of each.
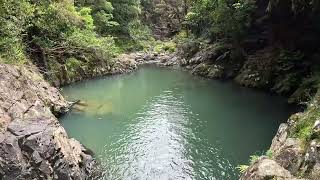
(68, 74)
(295, 150)
(33, 145)
(281, 55)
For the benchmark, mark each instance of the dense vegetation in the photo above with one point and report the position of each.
(91, 31)
(65, 37)
(273, 42)
(57, 34)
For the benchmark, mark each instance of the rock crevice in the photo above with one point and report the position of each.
(33, 145)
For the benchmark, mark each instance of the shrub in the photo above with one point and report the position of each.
(14, 18)
(220, 19)
(168, 46)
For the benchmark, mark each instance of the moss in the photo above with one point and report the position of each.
(303, 128)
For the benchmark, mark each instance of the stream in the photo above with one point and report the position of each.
(159, 123)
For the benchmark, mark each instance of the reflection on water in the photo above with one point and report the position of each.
(161, 145)
(167, 124)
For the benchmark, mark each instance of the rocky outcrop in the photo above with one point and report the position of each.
(287, 159)
(266, 169)
(295, 148)
(33, 145)
(269, 68)
(66, 75)
(143, 58)
(216, 61)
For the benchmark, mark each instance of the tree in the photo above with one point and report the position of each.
(165, 17)
(101, 14)
(220, 19)
(125, 12)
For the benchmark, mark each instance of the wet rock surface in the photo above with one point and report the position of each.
(33, 145)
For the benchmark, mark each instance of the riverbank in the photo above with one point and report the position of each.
(294, 152)
(160, 123)
(294, 148)
(33, 144)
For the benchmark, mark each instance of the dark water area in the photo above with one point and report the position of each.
(167, 124)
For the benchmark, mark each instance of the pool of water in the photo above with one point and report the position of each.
(167, 124)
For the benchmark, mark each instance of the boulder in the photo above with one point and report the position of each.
(287, 151)
(266, 169)
(210, 71)
(33, 145)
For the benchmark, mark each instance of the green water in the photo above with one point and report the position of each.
(167, 124)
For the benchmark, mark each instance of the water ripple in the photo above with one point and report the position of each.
(159, 124)
(161, 145)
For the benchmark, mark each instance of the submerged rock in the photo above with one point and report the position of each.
(33, 145)
(94, 107)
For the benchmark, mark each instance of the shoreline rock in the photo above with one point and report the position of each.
(42, 149)
(65, 76)
(291, 156)
(33, 144)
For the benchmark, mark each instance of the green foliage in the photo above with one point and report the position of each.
(124, 12)
(14, 18)
(61, 31)
(99, 48)
(120, 19)
(85, 13)
(139, 38)
(304, 125)
(56, 34)
(165, 17)
(182, 37)
(72, 64)
(254, 158)
(220, 19)
(269, 154)
(101, 14)
(142, 35)
(167, 46)
(242, 168)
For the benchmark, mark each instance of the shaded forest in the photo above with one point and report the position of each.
(265, 44)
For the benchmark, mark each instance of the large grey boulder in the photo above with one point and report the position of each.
(33, 145)
(266, 169)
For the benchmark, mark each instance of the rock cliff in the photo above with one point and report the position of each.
(33, 145)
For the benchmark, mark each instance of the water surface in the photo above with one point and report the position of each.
(167, 124)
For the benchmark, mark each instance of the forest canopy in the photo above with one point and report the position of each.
(96, 30)
(92, 32)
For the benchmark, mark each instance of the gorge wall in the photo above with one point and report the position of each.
(33, 145)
